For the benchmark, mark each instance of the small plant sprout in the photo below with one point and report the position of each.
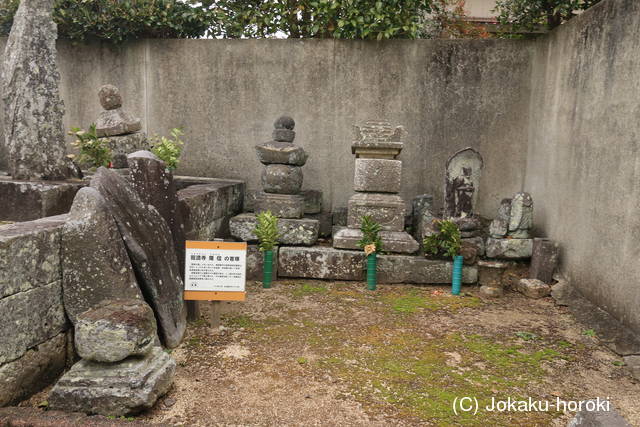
(93, 151)
(445, 241)
(168, 149)
(267, 230)
(370, 241)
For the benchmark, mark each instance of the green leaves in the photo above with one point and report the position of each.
(531, 15)
(266, 230)
(168, 150)
(370, 230)
(93, 152)
(445, 241)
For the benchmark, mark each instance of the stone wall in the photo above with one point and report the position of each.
(227, 93)
(583, 162)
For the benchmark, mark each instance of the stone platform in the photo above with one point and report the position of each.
(320, 262)
(392, 241)
(302, 231)
(29, 200)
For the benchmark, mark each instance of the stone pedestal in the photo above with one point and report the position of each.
(377, 181)
(281, 205)
(292, 231)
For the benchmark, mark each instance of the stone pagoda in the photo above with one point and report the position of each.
(121, 130)
(281, 190)
(377, 181)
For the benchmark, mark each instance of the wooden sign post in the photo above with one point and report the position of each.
(215, 271)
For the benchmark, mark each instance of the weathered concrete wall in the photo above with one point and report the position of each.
(583, 166)
(227, 93)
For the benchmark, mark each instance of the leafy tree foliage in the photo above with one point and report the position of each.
(447, 21)
(120, 20)
(531, 15)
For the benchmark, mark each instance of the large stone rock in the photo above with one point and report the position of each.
(281, 205)
(115, 330)
(312, 201)
(109, 97)
(422, 214)
(30, 254)
(33, 110)
(509, 248)
(597, 413)
(154, 184)
(533, 288)
(114, 389)
(95, 263)
(282, 179)
(36, 368)
(116, 122)
(282, 153)
(321, 263)
(150, 246)
(392, 241)
(462, 182)
(544, 260)
(521, 216)
(292, 231)
(500, 225)
(26, 201)
(388, 210)
(378, 175)
(122, 145)
(35, 417)
(255, 263)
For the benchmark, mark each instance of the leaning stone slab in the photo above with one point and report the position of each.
(115, 330)
(388, 210)
(255, 263)
(292, 231)
(148, 241)
(33, 110)
(378, 175)
(122, 145)
(419, 270)
(392, 241)
(114, 389)
(29, 319)
(533, 288)
(281, 205)
(544, 259)
(30, 254)
(319, 262)
(35, 369)
(509, 248)
(95, 263)
(281, 153)
(500, 225)
(26, 201)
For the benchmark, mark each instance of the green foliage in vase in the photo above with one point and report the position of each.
(370, 235)
(266, 230)
(92, 151)
(168, 149)
(445, 241)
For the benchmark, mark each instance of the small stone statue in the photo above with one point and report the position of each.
(113, 120)
(461, 183)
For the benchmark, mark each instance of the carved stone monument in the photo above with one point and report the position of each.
(281, 190)
(120, 129)
(462, 182)
(33, 110)
(377, 183)
(510, 231)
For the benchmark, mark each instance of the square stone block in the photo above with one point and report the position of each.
(281, 205)
(319, 262)
(312, 201)
(29, 200)
(388, 210)
(292, 231)
(419, 270)
(509, 248)
(378, 175)
(392, 241)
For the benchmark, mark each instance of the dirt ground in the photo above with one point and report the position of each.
(332, 353)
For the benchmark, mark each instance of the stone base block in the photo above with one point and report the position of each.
(320, 262)
(378, 175)
(281, 205)
(29, 200)
(388, 210)
(312, 201)
(533, 288)
(490, 273)
(335, 264)
(114, 389)
(292, 231)
(123, 145)
(392, 241)
(509, 248)
(255, 263)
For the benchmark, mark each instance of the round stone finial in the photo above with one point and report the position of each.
(110, 97)
(284, 122)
